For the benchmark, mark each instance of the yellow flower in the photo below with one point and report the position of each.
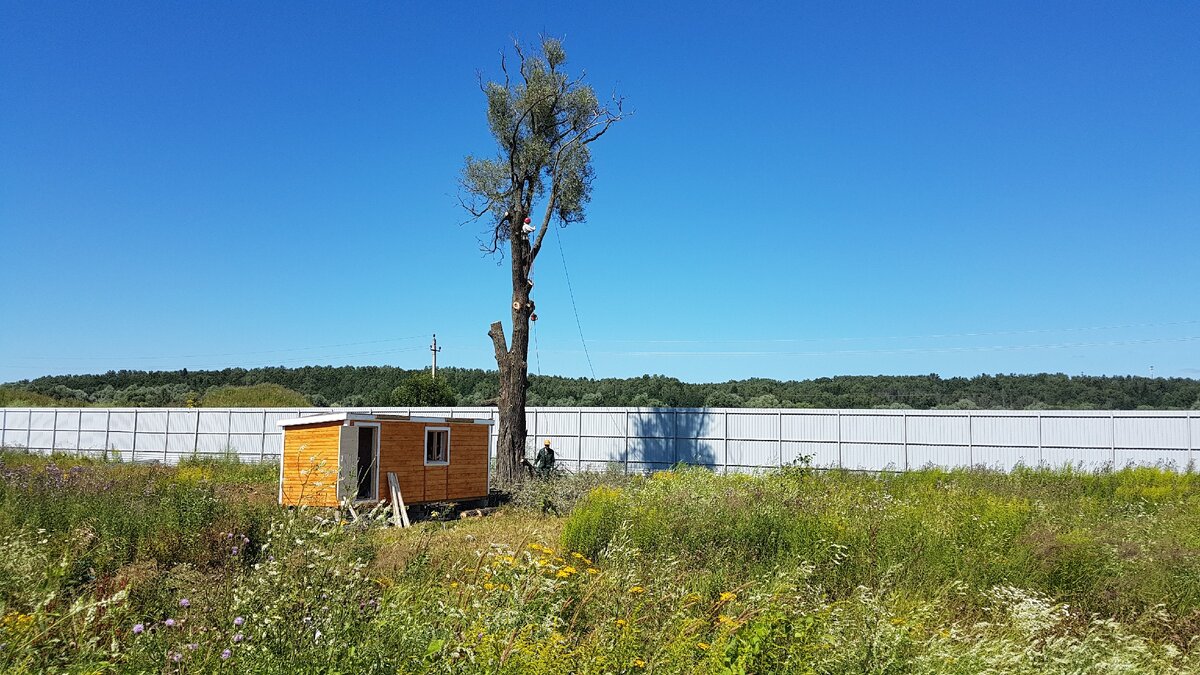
(726, 620)
(489, 586)
(728, 597)
(562, 574)
(637, 590)
(897, 621)
(638, 663)
(703, 646)
(593, 570)
(453, 584)
(621, 622)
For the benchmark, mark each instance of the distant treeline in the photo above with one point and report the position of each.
(380, 386)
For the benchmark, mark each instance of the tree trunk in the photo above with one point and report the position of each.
(513, 364)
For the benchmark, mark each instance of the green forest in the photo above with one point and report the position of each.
(387, 385)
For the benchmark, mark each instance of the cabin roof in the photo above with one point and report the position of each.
(377, 417)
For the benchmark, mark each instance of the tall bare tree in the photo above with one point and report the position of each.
(544, 123)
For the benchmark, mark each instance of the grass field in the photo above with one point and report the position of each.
(108, 567)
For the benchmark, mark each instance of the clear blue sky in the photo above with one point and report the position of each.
(806, 189)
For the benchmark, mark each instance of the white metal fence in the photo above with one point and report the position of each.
(642, 439)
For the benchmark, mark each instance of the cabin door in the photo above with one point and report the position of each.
(358, 463)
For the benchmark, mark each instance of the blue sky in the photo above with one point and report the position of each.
(805, 190)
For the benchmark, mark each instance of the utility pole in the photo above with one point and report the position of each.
(435, 349)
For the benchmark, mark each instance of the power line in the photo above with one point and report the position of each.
(904, 337)
(571, 292)
(914, 350)
(215, 355)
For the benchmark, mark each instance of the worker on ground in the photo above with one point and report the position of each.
(544, 462)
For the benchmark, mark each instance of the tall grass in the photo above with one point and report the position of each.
(138, 568)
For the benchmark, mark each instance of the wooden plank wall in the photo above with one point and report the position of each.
(310, 464)
(402, 452)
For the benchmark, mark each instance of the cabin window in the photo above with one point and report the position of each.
(437, 446)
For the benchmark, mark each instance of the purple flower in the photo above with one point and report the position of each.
(185, 603)
(234, 551)
(229, 535)
(176, 657)
(238, 638)
(192, 646)
(226, 654)
(237, 621)
(169, 623)
(245, 540)
(138, 628)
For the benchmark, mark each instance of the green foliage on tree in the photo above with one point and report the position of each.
(254, 396)
(373, 386)
(421, 389)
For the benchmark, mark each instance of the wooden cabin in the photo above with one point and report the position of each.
(328, 458)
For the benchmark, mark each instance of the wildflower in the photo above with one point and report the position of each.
(703, 646)
(637, 590)
(185, 603)
(176, 657)
(192, 646)
(638, 663)
(317, 635)
(726, 620)
(169, 623)
(226, 654)
(726, 596)
(593, 570)
(238, 638)
(621, 622)
(233, 551)
(238, 621)
(453, 584)
(489, 586)
(138, 628)
(897, 621)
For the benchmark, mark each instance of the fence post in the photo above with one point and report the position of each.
(262, 445)
(970, 439)
(196, 435)
(78, 432)
(839, 439)
(779, 429)
(1039, 440)
(107, 427)
(579, 442)
(674, 436)
(54, 432)
(229, 431)
(167, 435)
(1188, 420)
(725, 466)
(625, 430)
(133, 452)
(905, 415)
(1112, 437)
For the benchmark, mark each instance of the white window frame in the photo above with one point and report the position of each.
(425, 456)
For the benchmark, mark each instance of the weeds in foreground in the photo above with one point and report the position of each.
(790, 573)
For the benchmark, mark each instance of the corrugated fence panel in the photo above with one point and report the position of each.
(810, 427)
(555, 423)
(152, 421)
(868, 428)
(1004, 430)
(93, 420)
(873, 456)
(41, 419)
(1077, 432)
(604, 422)
(699, 425)
(939, 430)
(643, 424)
(755, 426)
(1154, 432)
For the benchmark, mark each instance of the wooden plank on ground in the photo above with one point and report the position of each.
(399, 510)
